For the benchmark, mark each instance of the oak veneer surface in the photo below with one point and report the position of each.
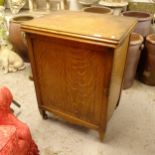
(78, 63)
(93, 26)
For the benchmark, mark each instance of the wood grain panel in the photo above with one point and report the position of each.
(78, 76)
(117, 76)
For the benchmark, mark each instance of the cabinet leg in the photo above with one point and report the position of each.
(118, 102)
(31, 77)
(101, 135)
(43, 113)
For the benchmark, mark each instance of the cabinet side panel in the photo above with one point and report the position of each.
(73, 77)
(117, 76)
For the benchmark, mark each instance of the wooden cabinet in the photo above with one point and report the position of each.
(78, 61)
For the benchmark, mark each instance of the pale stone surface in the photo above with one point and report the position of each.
(131, 131)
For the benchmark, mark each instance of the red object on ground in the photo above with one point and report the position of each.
(15, 136)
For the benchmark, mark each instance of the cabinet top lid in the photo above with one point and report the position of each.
(83, 25)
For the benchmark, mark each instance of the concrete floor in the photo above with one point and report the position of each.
(131, 131)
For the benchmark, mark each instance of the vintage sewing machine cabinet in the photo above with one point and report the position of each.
(78, 61)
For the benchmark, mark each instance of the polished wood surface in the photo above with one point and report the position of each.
(89, 26)
(77, 78)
